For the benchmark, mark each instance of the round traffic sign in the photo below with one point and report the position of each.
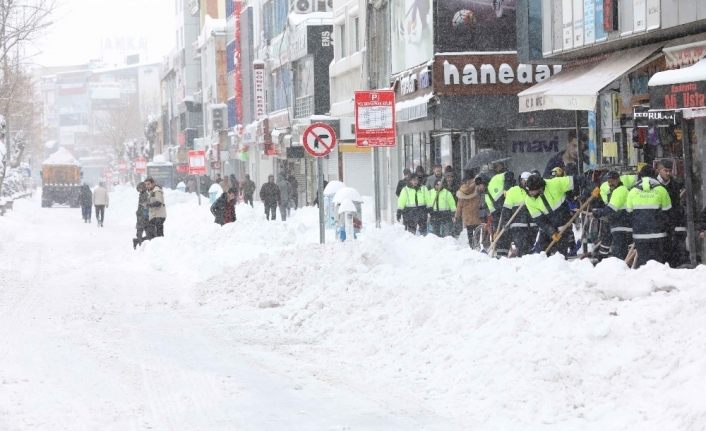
(319, 139)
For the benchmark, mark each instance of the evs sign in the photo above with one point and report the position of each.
(375, 118)
(197, 162)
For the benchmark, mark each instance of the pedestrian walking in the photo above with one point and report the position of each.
(468, 208)
(294, 191)
(284, 195)
(157, 209)
(269, 195)
(85, 198)
(224, 208)
(142, 216)
(101, 201)
(248, 190)
(413, 205)
(403, 181)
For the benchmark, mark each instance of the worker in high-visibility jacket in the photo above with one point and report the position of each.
(442, 207)
(547, 205)
(413, 205)
(495, 199)
(648, 203)
(616, 216)
(522, 230)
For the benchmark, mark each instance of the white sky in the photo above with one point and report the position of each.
(80, 28)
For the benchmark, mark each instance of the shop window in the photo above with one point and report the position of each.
(342, 48)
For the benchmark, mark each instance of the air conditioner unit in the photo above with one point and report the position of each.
(303, 6)
(323, 5)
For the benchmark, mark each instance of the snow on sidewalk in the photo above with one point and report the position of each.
(425, 327)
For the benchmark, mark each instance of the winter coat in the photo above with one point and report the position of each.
(142, 213)
(249, 187)
(85, 196)
(269, 193)
(432, 179)
(468, 207)
(401, 184)
(221, 207)
(100, 196)
(284, 191)
(157, 208)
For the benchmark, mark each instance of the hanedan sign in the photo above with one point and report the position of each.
(469, 75)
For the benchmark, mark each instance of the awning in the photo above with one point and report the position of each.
(412, 109)
(680, 89)
(576, 88)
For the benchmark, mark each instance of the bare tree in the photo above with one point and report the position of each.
(21, 21)
(119, 125)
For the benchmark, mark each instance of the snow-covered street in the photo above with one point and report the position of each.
(255, 326)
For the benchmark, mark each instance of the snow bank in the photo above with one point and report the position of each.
(531, 343)
(62, 156)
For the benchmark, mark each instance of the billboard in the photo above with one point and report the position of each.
(412, 33)
(475, 25)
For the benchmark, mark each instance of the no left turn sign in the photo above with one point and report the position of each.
(319, 139)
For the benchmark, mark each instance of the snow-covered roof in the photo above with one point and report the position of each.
(62, 156)
(321, 17)
(694, 73)
(211, 27)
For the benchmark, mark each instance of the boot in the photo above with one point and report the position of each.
(135, 241)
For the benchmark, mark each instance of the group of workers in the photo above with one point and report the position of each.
(638, 217)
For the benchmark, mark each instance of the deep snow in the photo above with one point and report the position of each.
(255, 326)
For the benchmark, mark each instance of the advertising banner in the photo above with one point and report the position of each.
(412, 33)
(678, 96)
(480, 25)
(600, 30)
(375, 118)
(578, 23)
(589, 21)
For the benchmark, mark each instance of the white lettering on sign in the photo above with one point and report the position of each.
(504, 74)
(415, 81)
(325, 38)
(259, 87)
(408, 85)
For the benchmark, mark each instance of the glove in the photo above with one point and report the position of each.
(596, 193)
(399, 215)
(556, 236)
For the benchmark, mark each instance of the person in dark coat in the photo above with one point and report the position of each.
(294, 190)
(141, 215)
(406, 173)
(85, 198)
(248, 190)
(269, 195)
(224, 208)
(675, 244)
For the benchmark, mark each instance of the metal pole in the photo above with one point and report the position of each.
(689, 188)
(578, 142)
(377, 185)
(320, 197)
(198, 188)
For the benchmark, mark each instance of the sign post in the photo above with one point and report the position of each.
(375, 127)
(318, 140)
(197, 166)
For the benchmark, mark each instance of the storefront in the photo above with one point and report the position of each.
(461, 103)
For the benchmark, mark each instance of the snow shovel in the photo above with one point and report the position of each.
(491, 249)
(568, 224)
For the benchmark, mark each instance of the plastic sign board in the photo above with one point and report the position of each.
(140, 165)
(375, 118)
(122, 166)
(319, 139)
(197, 162)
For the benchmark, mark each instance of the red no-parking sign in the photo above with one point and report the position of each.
(375, 118)
(197, 162)
(319, 139)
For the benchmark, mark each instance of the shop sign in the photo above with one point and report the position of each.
(487, 74)
(645, 117)
(259, 89)
(536, 145)
(414, 81)
(678, 96)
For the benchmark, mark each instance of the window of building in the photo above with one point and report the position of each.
(356, 34)
(282, 88)
(274, 13)
(342, 40)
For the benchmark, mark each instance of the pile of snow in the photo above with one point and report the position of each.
(427, 325)
(62, 156)
(492, 344)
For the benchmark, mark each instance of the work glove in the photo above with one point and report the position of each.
(556, 236)
(596, 193)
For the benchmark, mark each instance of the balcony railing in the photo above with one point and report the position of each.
(303, 106)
